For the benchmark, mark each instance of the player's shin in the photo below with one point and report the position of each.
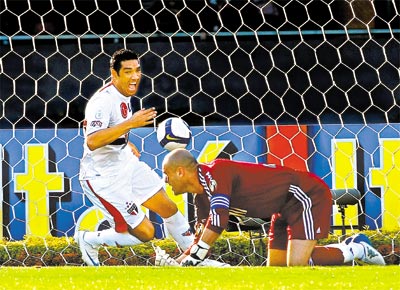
(330, 255)
(179, 229)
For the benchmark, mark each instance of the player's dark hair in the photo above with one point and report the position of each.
(120, 56)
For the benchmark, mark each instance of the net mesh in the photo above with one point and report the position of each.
(309, 84)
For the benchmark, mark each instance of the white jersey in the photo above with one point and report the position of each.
(106, 108)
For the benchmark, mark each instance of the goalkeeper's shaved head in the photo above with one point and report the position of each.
(180, 171)
(180, 158)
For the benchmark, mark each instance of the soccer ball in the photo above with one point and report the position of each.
(173, 133)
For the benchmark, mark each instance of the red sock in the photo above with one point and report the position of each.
(324, 256)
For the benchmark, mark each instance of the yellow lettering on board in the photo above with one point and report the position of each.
(387, 177)
(37, 182)
(211, 150)
(90, 220)
(344, 176)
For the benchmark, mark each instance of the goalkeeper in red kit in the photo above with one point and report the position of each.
(299, 205)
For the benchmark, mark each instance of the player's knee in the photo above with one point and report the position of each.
(168, 209)
(172, 209)
(148, 235)
(300, 252)
(144, 231)
(161, 204)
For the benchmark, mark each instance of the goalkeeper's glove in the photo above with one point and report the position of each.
(198, 253)
(164, 259)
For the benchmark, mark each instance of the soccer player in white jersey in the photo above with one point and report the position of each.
(111, 174)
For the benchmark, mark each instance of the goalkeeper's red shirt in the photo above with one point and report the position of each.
(260, 190)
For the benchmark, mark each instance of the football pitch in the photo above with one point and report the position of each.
(132, 277)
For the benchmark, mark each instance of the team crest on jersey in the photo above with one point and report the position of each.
(124, 110)
(131, 208)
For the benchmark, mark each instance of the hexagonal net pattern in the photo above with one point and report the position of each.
(313, 85)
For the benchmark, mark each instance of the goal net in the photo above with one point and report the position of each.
(313, 85)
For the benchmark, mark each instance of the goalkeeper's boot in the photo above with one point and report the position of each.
(90, 255)
(371, 255)
(357, 238)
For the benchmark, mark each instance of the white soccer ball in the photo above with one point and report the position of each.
(173, 133)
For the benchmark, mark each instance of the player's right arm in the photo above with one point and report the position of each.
(107, 135)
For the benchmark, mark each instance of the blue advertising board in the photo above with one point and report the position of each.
(41, 193)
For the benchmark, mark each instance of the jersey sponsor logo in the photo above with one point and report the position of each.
(211, 183)
(96, 123)
(99, 114)
(124, 110)
(207, 181)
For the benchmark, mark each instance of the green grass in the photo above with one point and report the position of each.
(135, 277)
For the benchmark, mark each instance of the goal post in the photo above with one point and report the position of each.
(313, 85)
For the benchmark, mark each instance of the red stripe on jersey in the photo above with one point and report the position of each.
(288, 146)
(105, 86)
(120, 224)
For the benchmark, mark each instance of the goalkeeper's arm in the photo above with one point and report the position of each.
(194, 256)
(216, 223)
(199, 251)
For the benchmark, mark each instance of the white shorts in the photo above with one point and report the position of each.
(120, 197)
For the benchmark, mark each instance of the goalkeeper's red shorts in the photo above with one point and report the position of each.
(305, 216)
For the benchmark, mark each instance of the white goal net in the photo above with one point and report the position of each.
(314, 85)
